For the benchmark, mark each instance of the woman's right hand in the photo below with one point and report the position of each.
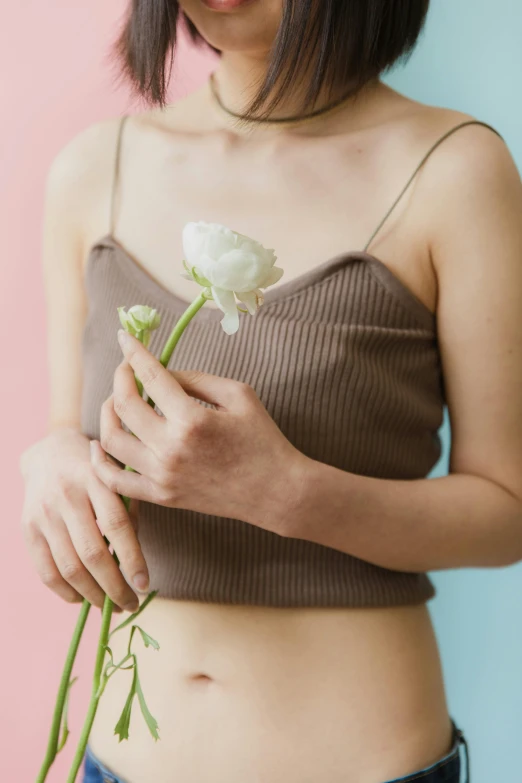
(66, 512)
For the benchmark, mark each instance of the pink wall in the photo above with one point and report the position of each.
(54, 81)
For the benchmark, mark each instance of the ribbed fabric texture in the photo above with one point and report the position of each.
(346, 364)
(346, 361)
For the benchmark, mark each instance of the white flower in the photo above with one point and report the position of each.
(230, 265)
(140, 321)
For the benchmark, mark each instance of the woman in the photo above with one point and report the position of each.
(275, 519)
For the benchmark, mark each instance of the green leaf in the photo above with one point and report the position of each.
(148, 640)
(135, 614)
(149, 719)
(122, 727)
(130, 640)
(65, 728)
(199, 278)
(116, 666)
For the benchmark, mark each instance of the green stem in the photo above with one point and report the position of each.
(97, 689)
(98, 667)
(54, 734)
(178, 330)
(180, 327)
(99, 685)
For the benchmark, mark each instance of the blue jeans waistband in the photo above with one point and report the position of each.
(427, 775)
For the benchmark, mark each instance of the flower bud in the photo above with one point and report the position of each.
(140, 321)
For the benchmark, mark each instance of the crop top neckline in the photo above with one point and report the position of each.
(282, 291)
(387, 279)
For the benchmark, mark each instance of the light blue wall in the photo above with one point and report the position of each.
(470, 59)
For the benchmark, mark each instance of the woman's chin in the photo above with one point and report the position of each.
(236, 25)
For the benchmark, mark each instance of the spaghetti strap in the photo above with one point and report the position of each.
(115, 179)
(426, 156)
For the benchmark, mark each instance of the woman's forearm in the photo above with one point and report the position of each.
(409, 525)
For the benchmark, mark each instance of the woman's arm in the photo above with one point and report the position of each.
(472, 517)
(76, 181)
(66, 508)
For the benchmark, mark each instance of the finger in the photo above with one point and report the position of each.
(68, 562)
(93, 551)
(119, 480)
(134, 514)
(225, 393)
(132, 409)
(157, 381)
(120, 527)
(122, 445)
(45, 566)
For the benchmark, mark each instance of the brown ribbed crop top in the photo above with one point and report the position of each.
(345, 359)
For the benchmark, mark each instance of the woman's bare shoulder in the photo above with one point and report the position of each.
(86, 154)
(79, 176)
(473, 154)
(470, 154)
(423, 123)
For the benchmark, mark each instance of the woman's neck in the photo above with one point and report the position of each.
(238, 76)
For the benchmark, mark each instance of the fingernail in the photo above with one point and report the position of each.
(141, 581)
(122, 336)
(132, 607)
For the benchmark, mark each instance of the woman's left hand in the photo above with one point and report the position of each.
(232, 461)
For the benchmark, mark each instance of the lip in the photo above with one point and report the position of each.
(226, 5)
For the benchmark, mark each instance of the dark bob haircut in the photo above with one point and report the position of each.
(346, 42)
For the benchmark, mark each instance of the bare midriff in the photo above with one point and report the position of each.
(278, 695)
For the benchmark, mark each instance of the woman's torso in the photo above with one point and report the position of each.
(278, 695)
(266, 693)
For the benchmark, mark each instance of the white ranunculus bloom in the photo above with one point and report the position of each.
(140, 321)
(230, 265)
